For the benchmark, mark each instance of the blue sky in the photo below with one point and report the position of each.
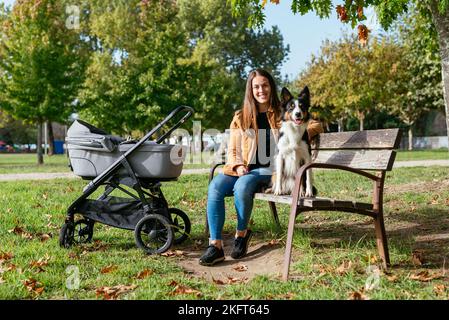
(304, 34)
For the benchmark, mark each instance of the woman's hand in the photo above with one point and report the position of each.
(241, 170)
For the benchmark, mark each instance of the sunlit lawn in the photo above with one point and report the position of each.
(332, 250)
(26, 163)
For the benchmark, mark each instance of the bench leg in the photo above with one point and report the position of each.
(275, 214)
(288, 246)
(382, 245)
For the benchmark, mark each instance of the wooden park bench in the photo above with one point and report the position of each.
(357, 152)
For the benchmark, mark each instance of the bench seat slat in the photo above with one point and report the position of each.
(315, 202)
(358, 159)
(368, 139)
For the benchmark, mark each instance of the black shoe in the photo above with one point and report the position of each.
(212, 256)
(241, 245)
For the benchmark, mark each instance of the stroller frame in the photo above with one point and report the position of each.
(156, 226)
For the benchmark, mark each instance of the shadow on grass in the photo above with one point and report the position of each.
(424, 232)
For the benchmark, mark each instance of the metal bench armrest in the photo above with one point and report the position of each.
(213, 168)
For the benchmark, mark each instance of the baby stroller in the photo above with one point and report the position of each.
(135, 168)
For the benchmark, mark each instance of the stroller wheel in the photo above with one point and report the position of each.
(153, 234)
(181, 225)
(66, 235)
(84, 230)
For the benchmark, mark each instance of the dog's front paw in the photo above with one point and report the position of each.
(269, 190)
(309, 193)
(277, 191)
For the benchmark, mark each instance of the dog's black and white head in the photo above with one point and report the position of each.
(296, 110)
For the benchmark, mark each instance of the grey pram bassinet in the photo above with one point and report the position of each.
(91, 151)
(131, 173)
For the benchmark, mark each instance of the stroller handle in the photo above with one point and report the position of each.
(189, 113)
(161, 124)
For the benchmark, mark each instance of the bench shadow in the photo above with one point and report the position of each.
(424, 230)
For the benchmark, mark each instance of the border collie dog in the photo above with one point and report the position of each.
(294, 149)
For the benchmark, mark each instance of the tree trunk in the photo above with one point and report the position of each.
(410, 138)
(361, 117)
(51, 139)
(340, 125)
(441, 22)
(40, 156)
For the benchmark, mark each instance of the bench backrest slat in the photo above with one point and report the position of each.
(368, 139)
(358, 159)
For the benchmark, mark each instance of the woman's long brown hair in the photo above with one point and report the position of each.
(249, 114)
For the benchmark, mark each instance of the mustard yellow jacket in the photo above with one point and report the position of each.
(242, 145)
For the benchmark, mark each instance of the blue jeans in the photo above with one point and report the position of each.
(243, 188)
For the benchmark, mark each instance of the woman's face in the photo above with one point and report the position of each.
(261, 90)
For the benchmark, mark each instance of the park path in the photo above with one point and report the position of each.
(70, 175)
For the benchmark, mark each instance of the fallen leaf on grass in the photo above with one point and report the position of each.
(1, 280)
(112, 293)
(434, 200)
(170, 253)
(52, 226)
(19, 231)
(358, 295)
(232, 280)
(425, 276)
(287, 296)
(344, 267)
(439, 289)
(371, 259)
(218, 281)
(39, 264)
(274, 242)
(43, 236)
(12, 267)
(241, 268)
(417, 258)
(108, 269)
(97, 246)
(33, 286)
(392, 278)
(73, 255)
(182, 289)
(323, 269)
(145, 273)
(5, 256)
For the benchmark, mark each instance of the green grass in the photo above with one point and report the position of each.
(26, 163)
(437, 154)
(416, 203)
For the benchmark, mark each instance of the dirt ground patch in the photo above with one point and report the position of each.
(263, 258)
